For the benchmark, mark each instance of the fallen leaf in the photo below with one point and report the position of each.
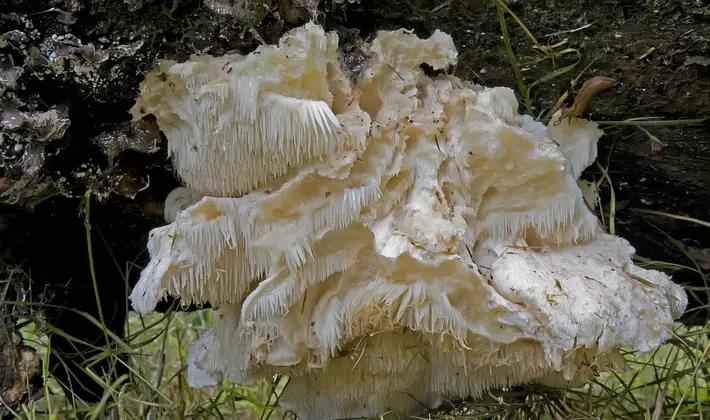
(656, 144)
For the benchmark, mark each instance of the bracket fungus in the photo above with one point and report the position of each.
(387, 238)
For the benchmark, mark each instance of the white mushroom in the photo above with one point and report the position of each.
(216, 112)
(400, 239)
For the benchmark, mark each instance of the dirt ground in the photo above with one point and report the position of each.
(656, 50)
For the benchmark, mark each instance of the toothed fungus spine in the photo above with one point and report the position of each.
(373, 239)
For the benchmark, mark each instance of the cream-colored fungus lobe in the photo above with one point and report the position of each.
(389, 239)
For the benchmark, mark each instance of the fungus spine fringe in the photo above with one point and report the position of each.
(413, 233)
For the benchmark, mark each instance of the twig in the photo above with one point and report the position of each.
(571, 31)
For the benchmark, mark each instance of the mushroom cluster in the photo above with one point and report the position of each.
(389, 238)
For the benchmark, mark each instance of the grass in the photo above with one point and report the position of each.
(670, 383)
(157, 386)
(525, 90)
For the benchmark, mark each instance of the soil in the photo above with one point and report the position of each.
(657, 51)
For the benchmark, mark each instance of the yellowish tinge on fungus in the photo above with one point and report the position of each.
(216, 112)
(392, 240)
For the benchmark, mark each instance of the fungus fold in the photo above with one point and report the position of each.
(386, 238)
